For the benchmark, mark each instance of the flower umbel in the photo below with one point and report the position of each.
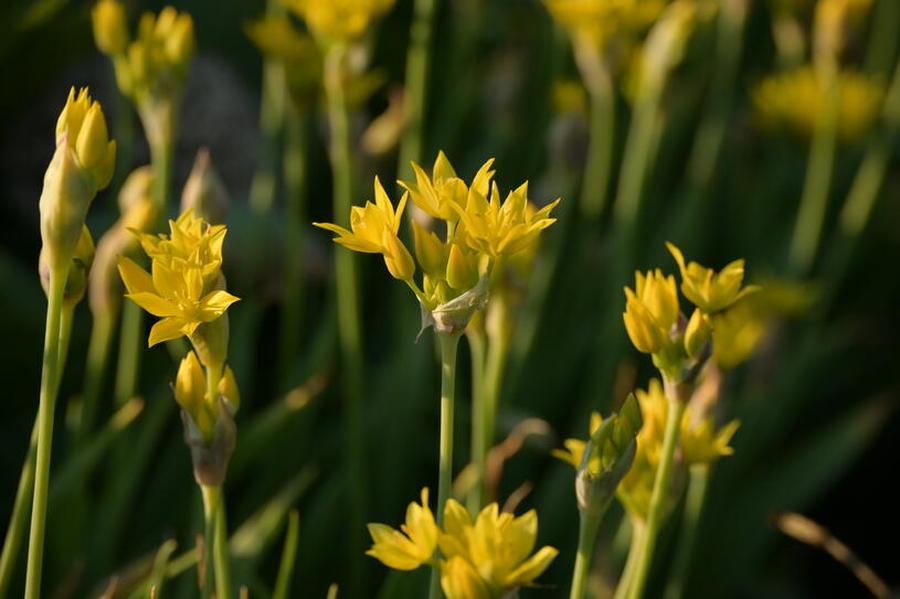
(339, 21)
(184, 289)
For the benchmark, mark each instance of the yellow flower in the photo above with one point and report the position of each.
(710, 291)
(498, 546)
(597, 21)
(796, 101)
(503, 229)
(574, 448)
(412, 545)
(110, 28)
(340, 21)
(443, 194)
(460, 580)
(186, 287)
(373, 230)
(82, 164)
(650, 310)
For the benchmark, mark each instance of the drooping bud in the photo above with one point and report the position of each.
(204, 191)
(190, 393)
(228, 389)
(462, 271)
(697, 334)
(430, 252)
(397, 258)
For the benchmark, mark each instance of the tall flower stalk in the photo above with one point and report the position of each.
(82, 165)
(417, 63)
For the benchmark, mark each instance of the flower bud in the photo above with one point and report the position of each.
(646, 335)
(110, 28)
(204, 192)
(462, 271)
(190, 393)
(179, 41)
(697, 334)
(210, 456)
(397, 258)
(94, 148)
(228, 389)
(137, 188)
(77, 280)
(430, 252)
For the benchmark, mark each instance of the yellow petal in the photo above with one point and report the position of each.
(136, 279)
(154, 304)
(532, 568)
(166, 329)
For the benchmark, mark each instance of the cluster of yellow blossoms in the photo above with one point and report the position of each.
(480, 231)
(481, 559)
(653, 317)
(598, 22)
(339, 21)
(186, 290)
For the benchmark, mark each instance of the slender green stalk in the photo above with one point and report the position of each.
(631, 562)
(210, 504)
(493, 377)
(448, 343)
(349, 330)
(477, 341)
(693, 509)
(288, 557)
(95, 370)
(131, 339)
(220, 551)
(295, 217)
(587, 537)
(17, 522)
(814, 201)
(595, 187)
(658, 498)
(417, 60)
(49, 388)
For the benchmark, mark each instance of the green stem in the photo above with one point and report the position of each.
(493, 377)
(220, 552)
(449, 343)
(95, 371)
(660, 494)
(693, 508)
(210, 504)
(349, 331)
(587, 536)
(631, 562)
(49, 388)
(476, 339)
(814, 201)
(416, 83)
(295, 218)
(16, 530)
(594, 189)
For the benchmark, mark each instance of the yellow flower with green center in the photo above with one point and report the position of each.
(443, 194)
(497, 547)
(186, 288)
(339, 21)
(711, 291)
(650, 310)
(411, 546)
(795, 101)
(504, 229)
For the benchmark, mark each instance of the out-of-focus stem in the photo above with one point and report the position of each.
(656, 511)
(597, 78)
(477, 342)
(95, 370)
(693, 509)
(417, 60)
(349, 330)
(631, 562)
(295, 217)
(448, 343)
(814, 201)
(49, 388)
(495, 364)
(587, 536)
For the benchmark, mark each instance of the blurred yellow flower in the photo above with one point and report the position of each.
(412, 545)
(650, 310)
(460, 580)
(110, 26)
(497, 546)
(597, 21)
(574, 448)
(710, 291)
(795, 100)
(340, 21)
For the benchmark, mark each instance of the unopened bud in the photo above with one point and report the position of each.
(430, 252)
(462, 270)
(397, 258)
(110, 28)
(204, 192)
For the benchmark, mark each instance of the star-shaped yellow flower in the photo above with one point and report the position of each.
(711, 291)
(412, 545)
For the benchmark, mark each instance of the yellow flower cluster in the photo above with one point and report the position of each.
(278, 39)
(654, 321)
(193, 393)
(82, 164)
(154, 64)
(339, 21)
(481, 559)
(479, 233)
(186, 288)
(796, 101)
(701, 442)
(597, 21)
